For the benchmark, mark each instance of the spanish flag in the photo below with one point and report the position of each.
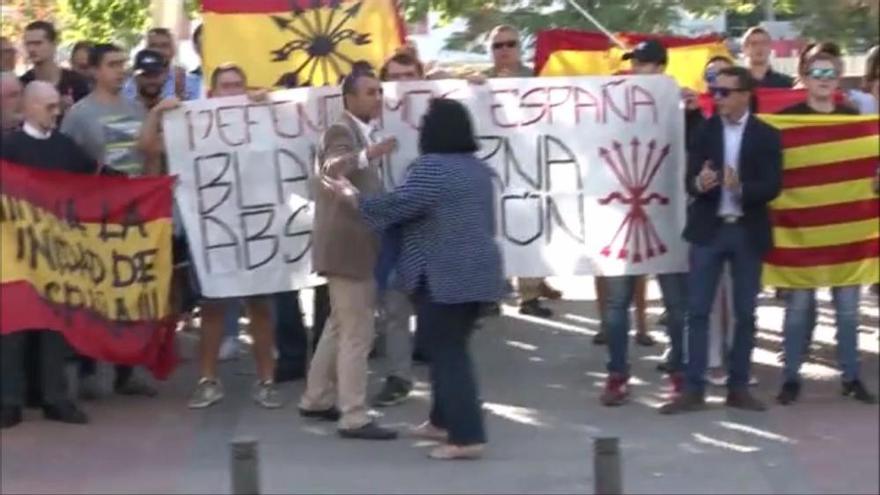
(89, 256)
(561, 52)
(827, 219)
(299, 42)
(568, 52)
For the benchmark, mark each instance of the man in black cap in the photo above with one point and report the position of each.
(647, 58)
(150, 73)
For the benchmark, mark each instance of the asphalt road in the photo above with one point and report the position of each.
(540, 382)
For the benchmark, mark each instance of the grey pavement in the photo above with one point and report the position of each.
(540, 382)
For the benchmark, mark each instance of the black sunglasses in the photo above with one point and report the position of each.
(504, 44)
(724, 92)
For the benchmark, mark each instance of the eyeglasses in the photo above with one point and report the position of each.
(822, 74)
(504, 44)
(718, 92)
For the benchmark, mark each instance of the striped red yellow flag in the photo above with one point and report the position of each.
(299, 42)
(90, 257)
(827, 219)
(565, 52)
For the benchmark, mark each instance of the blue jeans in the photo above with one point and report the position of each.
(800, 319)
(730, 245)
(619, 298)
(455, 403)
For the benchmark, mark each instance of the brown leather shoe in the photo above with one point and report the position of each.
(684, 403)
(742, 399)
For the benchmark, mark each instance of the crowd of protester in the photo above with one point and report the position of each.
(101, 117)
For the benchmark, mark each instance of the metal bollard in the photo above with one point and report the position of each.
(245, 466)
(606, 466)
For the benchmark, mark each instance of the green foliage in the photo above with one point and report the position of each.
(851, 23)
(120, 21)
(25, 11)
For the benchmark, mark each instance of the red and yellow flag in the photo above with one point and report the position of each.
(89, 256)
(562, 52)
(304, 42)
(569, 52)
(827, 219)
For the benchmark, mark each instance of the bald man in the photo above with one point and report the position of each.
(10, 102)
(37, 144)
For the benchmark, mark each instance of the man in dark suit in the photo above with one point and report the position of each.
(734, 171)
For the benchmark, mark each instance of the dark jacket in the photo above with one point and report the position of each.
(760, 171)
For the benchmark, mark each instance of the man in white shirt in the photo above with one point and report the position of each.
(734, 172)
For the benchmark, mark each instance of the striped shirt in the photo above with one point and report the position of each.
(446, 208)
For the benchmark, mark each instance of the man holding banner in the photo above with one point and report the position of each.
(106, 126)
(227, 80)
(648, 58)
(821, 76)
(38, 145)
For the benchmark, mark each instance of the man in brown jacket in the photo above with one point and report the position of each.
(345, 251)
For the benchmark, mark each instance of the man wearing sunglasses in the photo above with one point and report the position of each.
(507, 62)
(734, 171)
(821, 75)
(506, 54)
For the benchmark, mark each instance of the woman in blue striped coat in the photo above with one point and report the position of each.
(449, 262)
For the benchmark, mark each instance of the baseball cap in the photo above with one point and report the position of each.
(648, 51)
(148, 62)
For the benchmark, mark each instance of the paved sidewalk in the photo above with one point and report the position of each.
(540, 382)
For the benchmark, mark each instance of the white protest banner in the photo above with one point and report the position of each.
(590, 175)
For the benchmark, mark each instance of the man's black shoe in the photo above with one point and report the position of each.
(857, 390)
(331, 414)
(9, 416)
(534, 308)
(65, 412)
(370, 431)
(789, 393)
(395, 391)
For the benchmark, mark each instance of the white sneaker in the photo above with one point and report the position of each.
(266, 395)
(207, 393)
(229, 349)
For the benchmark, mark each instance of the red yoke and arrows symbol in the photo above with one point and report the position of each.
(636, 178)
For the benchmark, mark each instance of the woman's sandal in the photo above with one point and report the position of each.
(450, 452)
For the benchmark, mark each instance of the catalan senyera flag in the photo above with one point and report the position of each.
(826, 221)
(304, 42)
(565, 52)
(89, 256)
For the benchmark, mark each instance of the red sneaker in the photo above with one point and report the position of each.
(616, 390)
(677, 381)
